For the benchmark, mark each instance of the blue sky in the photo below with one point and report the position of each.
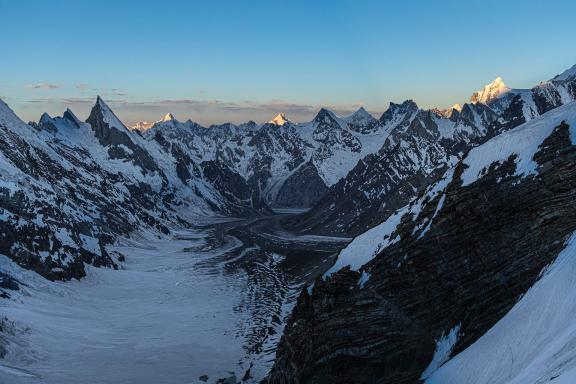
(216, 61)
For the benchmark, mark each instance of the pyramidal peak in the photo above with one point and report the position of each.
(168, 117)
(361, 112)
(361, 115)
(279, 120)
(490, 91)
(102, 112)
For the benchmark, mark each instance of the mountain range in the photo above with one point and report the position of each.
(462, 222)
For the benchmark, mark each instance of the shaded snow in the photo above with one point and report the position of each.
(367, 245)
(363, 279)
(522, 141)
(132, 325)
(534, 343)
(444, 347)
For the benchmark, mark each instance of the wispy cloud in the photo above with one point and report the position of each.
(42, 86)
(116, 92)
(241, 106)
(69, 100)
(82, 86)
(207, 111)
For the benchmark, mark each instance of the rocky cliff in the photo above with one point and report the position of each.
(420, 146)
(449, 265)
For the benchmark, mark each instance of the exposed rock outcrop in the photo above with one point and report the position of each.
(461, 260)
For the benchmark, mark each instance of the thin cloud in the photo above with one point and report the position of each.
(82, 86)
(242, 106)
(43, 86)
(71, 100)
(117, 93)
(208, 112)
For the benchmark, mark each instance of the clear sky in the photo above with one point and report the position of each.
(216, 61)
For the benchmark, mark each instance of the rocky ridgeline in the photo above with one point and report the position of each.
(68, 189)
(458, 260)
(421, 145)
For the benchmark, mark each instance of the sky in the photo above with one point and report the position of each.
(216, 61)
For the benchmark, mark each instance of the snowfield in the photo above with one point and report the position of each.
(169, 317)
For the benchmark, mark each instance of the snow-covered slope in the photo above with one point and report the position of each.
(419, 146)
(68, 188)
(519, 144)
(271, 157)
(534, 343)
(462, 270)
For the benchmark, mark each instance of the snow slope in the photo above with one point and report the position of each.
(534, 343)
(523, 142)
(150, 322)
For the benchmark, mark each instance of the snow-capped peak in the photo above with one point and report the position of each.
(449, 112)
(361, 116)
(70, 116)
(362, 113)
(108, 116)
(142, 125)
(168, 117)
(490, 91)
(279, 120)
(457, 107)
(45, 117)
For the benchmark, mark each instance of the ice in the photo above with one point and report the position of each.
(133, 325)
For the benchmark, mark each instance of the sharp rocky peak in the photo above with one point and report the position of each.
(101, 111)
(70, 116)
(280, 119)
(361, 113)
(407, 106)
(168, 117)
(45, 117)
(325, 115)
(490, 91)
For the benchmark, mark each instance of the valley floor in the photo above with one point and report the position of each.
(202, 302)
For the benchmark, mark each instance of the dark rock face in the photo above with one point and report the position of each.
(330, 133)
(61, 203)
(416, 153)
(233, 187)
(115, 137)
(302, 189)
(362, 122)
(487, 245)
